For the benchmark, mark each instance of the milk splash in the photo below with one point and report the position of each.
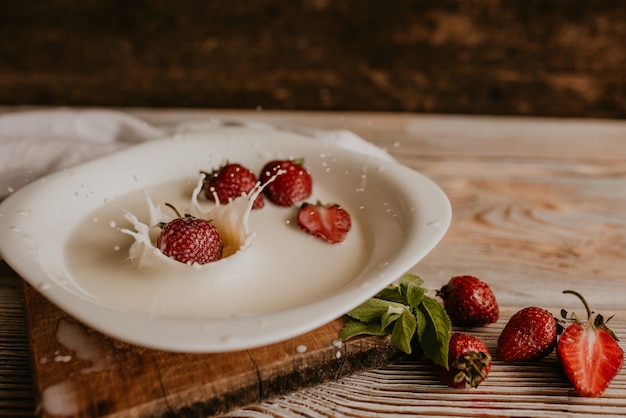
(231, 220)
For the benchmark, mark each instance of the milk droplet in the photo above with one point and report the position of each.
(435, 223)
(112, 224)
(84, 345)
(301, 348)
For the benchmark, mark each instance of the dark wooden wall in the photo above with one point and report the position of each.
(551, 57)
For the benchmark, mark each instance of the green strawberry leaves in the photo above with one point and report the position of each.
(407, 313)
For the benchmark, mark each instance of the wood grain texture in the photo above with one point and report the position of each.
(82, 373)
(408, 388)
(17, 392)
(537, 208)
(558, 58)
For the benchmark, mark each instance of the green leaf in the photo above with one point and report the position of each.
(433, 330)
(392, 294)
(392, 314)
(410, 287)
(404, 311)
(371, 310)
(414, 294)
(403, 331)
(411, 279)
(354, 328)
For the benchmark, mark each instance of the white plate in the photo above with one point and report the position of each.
(400, 214)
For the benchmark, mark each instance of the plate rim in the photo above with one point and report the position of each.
(281, 328)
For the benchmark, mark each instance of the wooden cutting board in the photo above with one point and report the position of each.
(82, 373)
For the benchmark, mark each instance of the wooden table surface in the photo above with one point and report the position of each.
(539, 206)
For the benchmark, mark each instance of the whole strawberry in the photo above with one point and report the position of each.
(530, 334)
(293, 183)
(469, 362)
(190, 240)
(330, 222)
(589, 353)
(469, 302)
(229, 182)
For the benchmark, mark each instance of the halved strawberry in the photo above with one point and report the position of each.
(293, 183)
(329, 222)
(589, 353)
(229, 182)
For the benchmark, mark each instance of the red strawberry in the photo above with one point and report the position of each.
(469, 302)
(229, 182)
(329, 222)
(530, 334)
(469, 362)
(589, 353)
(190, 240)
(292, 185)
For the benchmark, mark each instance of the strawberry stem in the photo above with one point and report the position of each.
(169, 205)
(582, 299)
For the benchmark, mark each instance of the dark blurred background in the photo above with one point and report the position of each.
(550, 58)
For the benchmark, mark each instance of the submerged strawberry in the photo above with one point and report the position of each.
(530, 334)
(589, 353)
(229, 182)
(469, 362)
(190, 240)
(329, 222)
(293, 183)
(469, 302)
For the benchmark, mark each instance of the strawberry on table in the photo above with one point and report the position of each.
(330, 222)
(469, 302)
(530, 334)
(469, 362)
(588, 352)
(293, 183)
(190, 240)
(229, 182)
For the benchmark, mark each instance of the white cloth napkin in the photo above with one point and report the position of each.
(39, 142)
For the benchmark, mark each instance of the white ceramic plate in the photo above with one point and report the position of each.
(399, 215)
